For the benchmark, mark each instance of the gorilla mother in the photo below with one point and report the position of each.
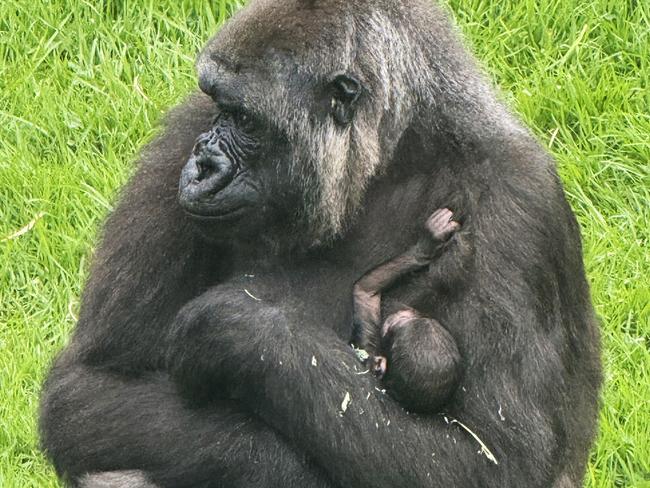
(212, 344)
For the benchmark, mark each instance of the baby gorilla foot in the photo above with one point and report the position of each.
(441, 226)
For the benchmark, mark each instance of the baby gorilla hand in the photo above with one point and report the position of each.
(440, 227)
(378, 365)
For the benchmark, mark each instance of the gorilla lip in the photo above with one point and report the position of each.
(217, 215)
(202, 199)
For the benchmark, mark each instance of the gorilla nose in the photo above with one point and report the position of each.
(209, 164)
(210, 160)
(208, 171)
(214, 171)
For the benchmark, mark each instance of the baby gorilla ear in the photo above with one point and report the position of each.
(345, 91)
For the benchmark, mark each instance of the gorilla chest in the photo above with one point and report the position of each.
(318, 295)
(322, 295)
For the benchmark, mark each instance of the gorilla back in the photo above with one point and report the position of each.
(211, 348)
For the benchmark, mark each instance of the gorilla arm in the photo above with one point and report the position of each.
(101, 421)
(305, 382)
(103, 408)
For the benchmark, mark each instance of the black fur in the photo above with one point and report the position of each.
(418, 359)
(424, 365)
(255, 331)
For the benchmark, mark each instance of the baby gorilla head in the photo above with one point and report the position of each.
(422, 366)
(401, 318)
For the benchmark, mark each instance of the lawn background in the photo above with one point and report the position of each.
(83, 84)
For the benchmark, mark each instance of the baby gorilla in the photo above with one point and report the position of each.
(419, 363)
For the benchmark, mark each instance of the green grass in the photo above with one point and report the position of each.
(83, 83)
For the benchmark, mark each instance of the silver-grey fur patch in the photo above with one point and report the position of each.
(116, 479)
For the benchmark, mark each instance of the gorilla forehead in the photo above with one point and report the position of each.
(271, 46)
(277, 46)
(295, 27)
(297, 31)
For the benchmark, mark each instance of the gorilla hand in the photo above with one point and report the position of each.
(221, 339)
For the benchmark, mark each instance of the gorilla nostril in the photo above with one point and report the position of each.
(201, 143)
(216, 168)
(203, 170)
(208, 141)
(206, 166)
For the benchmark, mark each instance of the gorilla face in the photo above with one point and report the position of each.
(221, 179)
(248, 172)
(234, 182)
(305, 125)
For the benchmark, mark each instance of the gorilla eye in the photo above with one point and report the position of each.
(345, 90)
(244, 120)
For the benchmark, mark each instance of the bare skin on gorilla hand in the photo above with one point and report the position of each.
(418, 358)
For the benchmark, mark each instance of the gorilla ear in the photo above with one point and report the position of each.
(345, 90)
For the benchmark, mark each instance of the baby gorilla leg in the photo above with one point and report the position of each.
(422, 367)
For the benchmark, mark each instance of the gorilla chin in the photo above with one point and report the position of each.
(219, 215)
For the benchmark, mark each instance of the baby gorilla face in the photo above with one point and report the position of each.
(398, 319)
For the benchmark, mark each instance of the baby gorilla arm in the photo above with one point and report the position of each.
(367, 291)
(424, 360)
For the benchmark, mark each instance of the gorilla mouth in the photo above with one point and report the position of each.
(215, 212)
(215, 195)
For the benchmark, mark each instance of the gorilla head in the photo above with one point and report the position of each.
(309, 113)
